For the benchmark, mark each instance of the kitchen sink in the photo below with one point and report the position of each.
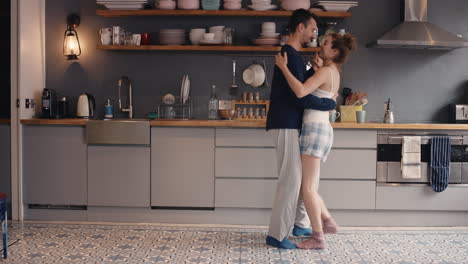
(118, 132)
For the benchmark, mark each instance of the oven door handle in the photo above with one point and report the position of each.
(424, 137)
(457, 140)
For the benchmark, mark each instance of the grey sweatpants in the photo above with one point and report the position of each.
(287, 208)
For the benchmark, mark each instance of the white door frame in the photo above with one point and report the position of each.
(27, 81)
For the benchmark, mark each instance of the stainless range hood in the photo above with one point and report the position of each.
(416, 33)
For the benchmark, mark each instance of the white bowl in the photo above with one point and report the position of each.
(196, 37)
(216, 28)
(209, 36)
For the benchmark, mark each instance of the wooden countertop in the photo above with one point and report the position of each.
(66, 121)
(255, 124)
(4, 121)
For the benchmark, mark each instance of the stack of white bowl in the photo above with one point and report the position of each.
(268, 37)
(172, 36)
(292, 5)
(232, 4)
(218, 33)
(196, 35)
(188, 4)
(262, 5)
(124, 4)
(166, 4)
(338, 6)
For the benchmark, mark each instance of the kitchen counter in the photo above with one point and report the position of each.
(4, 121)
(255, 124)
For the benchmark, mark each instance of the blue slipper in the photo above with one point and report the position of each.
(285, 243)
(300, 231)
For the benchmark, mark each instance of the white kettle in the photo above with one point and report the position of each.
(86, 107)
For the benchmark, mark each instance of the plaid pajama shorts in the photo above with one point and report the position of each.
(316, 139)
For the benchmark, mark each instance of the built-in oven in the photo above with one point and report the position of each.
(389, 157)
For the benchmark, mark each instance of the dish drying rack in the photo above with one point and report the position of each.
(177, 110)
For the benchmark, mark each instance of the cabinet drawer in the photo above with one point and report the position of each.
(245, 193)
(350, 164)
(347, 138)
(246, 162)
(348, 194)
(239, 137)
(401, 197)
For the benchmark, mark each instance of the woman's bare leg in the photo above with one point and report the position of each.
(312, 201)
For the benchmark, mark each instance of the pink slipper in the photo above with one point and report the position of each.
(316, 241)
(330, 226)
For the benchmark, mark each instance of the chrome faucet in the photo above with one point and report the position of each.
(130, 97)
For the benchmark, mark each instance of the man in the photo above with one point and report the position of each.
(285, 116)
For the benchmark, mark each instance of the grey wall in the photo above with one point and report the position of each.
(420, 83)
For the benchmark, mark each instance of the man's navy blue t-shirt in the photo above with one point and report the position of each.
(286, 110)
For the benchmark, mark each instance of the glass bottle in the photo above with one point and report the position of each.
(213, 104)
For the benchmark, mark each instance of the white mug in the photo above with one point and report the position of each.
(136, 39)
(116, 30)
(334, 115)
(106, 36)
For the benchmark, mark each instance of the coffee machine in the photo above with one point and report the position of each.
(49, 103)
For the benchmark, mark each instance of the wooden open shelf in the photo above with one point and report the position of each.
(156, 12)
(200, 48)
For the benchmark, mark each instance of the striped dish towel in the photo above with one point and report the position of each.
(440, 163)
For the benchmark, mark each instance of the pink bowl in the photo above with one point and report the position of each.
(167, 5)
(232, 6)
(292, 5)
(188, 4)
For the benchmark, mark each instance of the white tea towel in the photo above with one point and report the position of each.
(411, 158)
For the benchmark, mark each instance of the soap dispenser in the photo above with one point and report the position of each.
(108, 110)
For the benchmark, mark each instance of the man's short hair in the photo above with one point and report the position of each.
(300, 16)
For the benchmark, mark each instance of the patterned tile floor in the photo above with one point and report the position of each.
(163, 243)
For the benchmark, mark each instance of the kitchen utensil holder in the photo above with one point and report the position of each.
(348, 112)
(177, 110)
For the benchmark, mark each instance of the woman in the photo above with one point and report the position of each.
(317, 133)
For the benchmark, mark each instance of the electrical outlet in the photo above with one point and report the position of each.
(27, 104)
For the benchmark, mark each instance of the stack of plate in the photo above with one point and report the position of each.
(262, 5)
(185, 89)
(125, 4)
(210, 4)
(338, 6)
(172, 36)
(268, 37)
(232, 4)
(292, 5)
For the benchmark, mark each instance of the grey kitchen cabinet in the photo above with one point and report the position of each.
(246, 163)
(245, 137)
(5, 161)
(245, 193)
(119, 175)
(421, 197)
(359, 164)
(182, 167)
(54, 165)
(259, 193)
(341, 194)
(350, 138)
